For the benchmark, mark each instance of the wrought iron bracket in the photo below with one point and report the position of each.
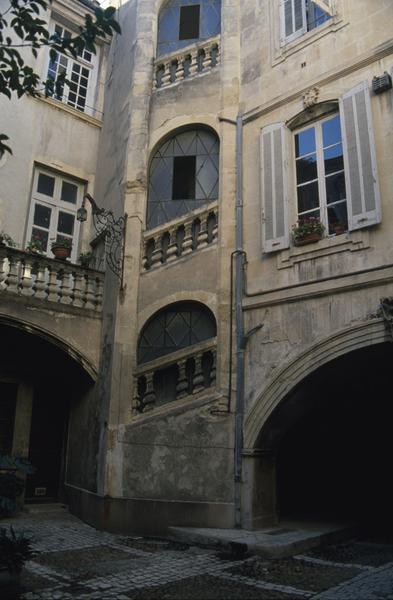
(112, 230)
(386, 312)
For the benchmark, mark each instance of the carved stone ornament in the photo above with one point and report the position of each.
(386, 312)
(310, 97)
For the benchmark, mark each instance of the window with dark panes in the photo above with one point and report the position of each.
(183, 175)
(320, 175)
(55, 200)
(189, 22)
(177, 326)
(182, 21)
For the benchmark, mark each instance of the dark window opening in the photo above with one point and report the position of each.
(184, 169)
(189, 22)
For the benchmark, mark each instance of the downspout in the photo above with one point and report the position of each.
(239, 259)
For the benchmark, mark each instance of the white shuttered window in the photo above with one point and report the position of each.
(274, 188)
(299, 16)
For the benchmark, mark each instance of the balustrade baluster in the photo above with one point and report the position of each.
(157, 255)
(207, 60)
(27, 278)
(53, 288)
(166, 78)
(180, 69)
(3, 270)
(13, 274)
(135, 401)
(182, 381)
(213, 368)
(194, 63)
(66, 285)
(41, 282)
(187, 242)
(99, 294)
(171, 253)
(90, 292)
(78, 289)
(197, 378)
(149, 397)
(215, 228)
(203, 233)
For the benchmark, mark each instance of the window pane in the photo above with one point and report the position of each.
(305, 142)
(306, 168)
(41, 236)
(335, 188)
(42, 216)
(46, 184)
(66, 223)
(183, 177)
(189, 22)
(307, 196)
(69, 192)
(315, 214)
(337, 216)
(333, 159)
(331, 132)
(288, 17)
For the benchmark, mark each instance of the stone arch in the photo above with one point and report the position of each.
(183, 173)
(45, 334)
(286, 379)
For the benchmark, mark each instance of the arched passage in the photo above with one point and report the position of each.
(326, 450)
(41, 384)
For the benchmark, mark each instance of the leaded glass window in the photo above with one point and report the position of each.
(182, 22)
(183, 175)
(177, 326)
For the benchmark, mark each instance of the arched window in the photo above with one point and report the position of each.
(183, 175)
(177, 326)
(182, 22)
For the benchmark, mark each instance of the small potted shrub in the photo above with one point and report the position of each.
(15, 550)
(339, 228)
(307, 230)
(35, 246)
(62, 248)
(6, 240)
(86, 258)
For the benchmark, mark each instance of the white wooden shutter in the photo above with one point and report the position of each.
(364, 204)
(293, 19)
(274, 188)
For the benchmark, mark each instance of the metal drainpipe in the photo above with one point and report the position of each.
(239, 324)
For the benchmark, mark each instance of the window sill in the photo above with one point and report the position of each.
(287, 49)
(68, 109)
(345, 242)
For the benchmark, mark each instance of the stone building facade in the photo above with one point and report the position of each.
(228, 373)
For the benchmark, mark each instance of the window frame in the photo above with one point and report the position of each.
(56, 206)
(321, 171)
(92, 66)
(284, 39)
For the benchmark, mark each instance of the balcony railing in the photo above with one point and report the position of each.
(186, 63)
(37, 276)
(164, 245)
(179, 375)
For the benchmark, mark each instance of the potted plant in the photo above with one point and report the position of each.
(307, 230)
(61, 248)
(339, 228)
(15, 550)
(34, 246)
(86, 258)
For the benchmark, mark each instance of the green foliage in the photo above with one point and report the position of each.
(15, 550)
(61, 243)
(22, 27)
(34, 245)
(305, 226)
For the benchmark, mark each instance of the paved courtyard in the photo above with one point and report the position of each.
(74, 560)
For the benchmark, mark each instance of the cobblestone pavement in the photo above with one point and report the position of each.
(74, 560)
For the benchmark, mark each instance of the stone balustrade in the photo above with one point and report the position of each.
(186, 63)
(179, 375)
(37, 276)
(167, 243)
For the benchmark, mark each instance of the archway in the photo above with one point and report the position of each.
(40, 384)
(329, 442)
